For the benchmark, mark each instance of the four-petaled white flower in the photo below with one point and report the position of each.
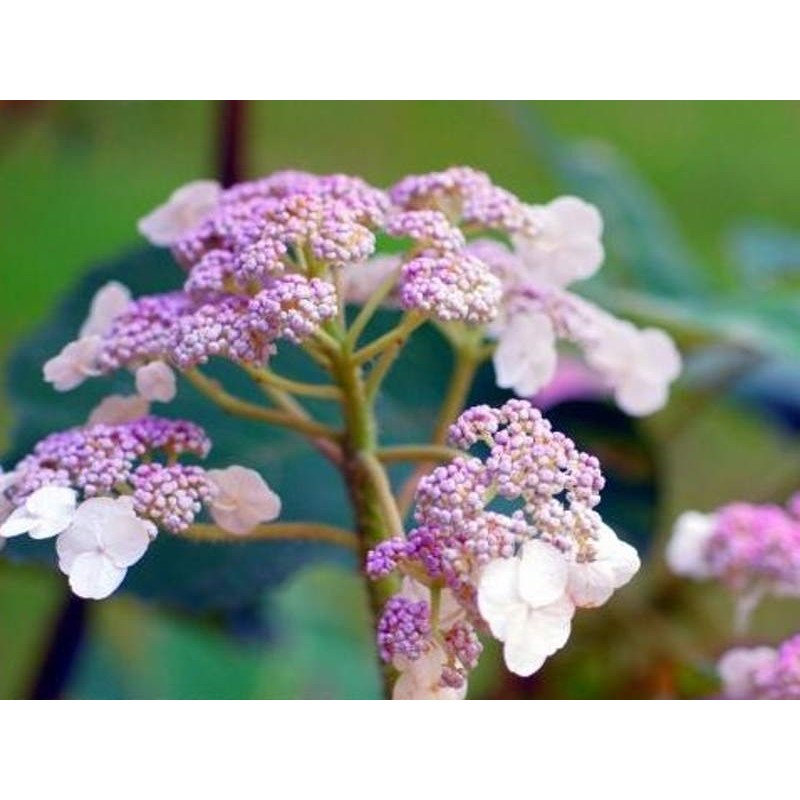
(118, 408)
(525, 359)
(638, 364)
(567, 246)
(45, 513)
(421, 679)
(156, 381)
(686, 550)
(591, 583)
(105, 538)
(242, 499)
(737, 669)
(185, 207)
(74, 364)
(108, 303)
(524, 600)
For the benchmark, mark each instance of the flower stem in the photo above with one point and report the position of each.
(396, 336)
(467, 361)
(416, 452)
(268, 377)
(309, 531)
(242, 408)
(369, 308)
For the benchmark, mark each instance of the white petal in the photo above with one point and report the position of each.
(738, 667)
(525, 359)
(156, 381)
(420, 679)
(20, 521)
(543, 570)
(183, 210)
(686, 549)
(76, 362)
(567, 247)
(52, 502)
(94, 577)
(498, 593)
(534, 636)
(74, 542)
(120, 534)
(118, 408)
(243, 499)
(639, 397)
(108, 303)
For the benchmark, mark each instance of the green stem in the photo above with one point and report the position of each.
(367, 483)
(369, 308)
(265, 376)
(307, 531)
(416, 452)
(396, 336)
(242, 408)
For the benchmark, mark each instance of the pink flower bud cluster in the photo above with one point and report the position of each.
(547, 489)
(755, 544)
(106, 460)
(751, 548)
(762, 673)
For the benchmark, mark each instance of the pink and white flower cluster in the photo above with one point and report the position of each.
(263, 260)
(762, 673)
(508, 542)
(104, 490)
(752, 549)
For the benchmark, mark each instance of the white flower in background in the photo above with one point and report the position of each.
(686, 549)
(524, 601)
(242, 499)
(156, 382)
(185, 207)
(737, 669)
(525, 359)
(638, 364)
(421, 679)
(361, 280)
(47, 512)
(108, 303)
(567, 246)
(105, 538)
(74, 364)
(591, 583)
(118, 408)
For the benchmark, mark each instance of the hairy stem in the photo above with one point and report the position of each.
(369, 308)
(243, 408)
(397, 335)
(416, 452)
(308, 531)
(367, 483)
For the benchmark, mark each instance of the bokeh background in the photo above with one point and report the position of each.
(703, 232)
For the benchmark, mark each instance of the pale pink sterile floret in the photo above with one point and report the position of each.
(566, 245)
(108, 303)
(45, 513)
(184, 209)
(612, 563)
(524, 600)
(241, 499)
(686, 550)
(118, 408)
(76, 362)
(103, 541)
(525, 359)
(156, 382)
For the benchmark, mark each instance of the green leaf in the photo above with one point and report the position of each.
(765, 252)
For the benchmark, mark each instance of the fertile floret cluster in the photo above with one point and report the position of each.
(762, 673)
(104, 492)
(752, 549)
(521, 571)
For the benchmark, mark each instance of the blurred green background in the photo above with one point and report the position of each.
(716, 185)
